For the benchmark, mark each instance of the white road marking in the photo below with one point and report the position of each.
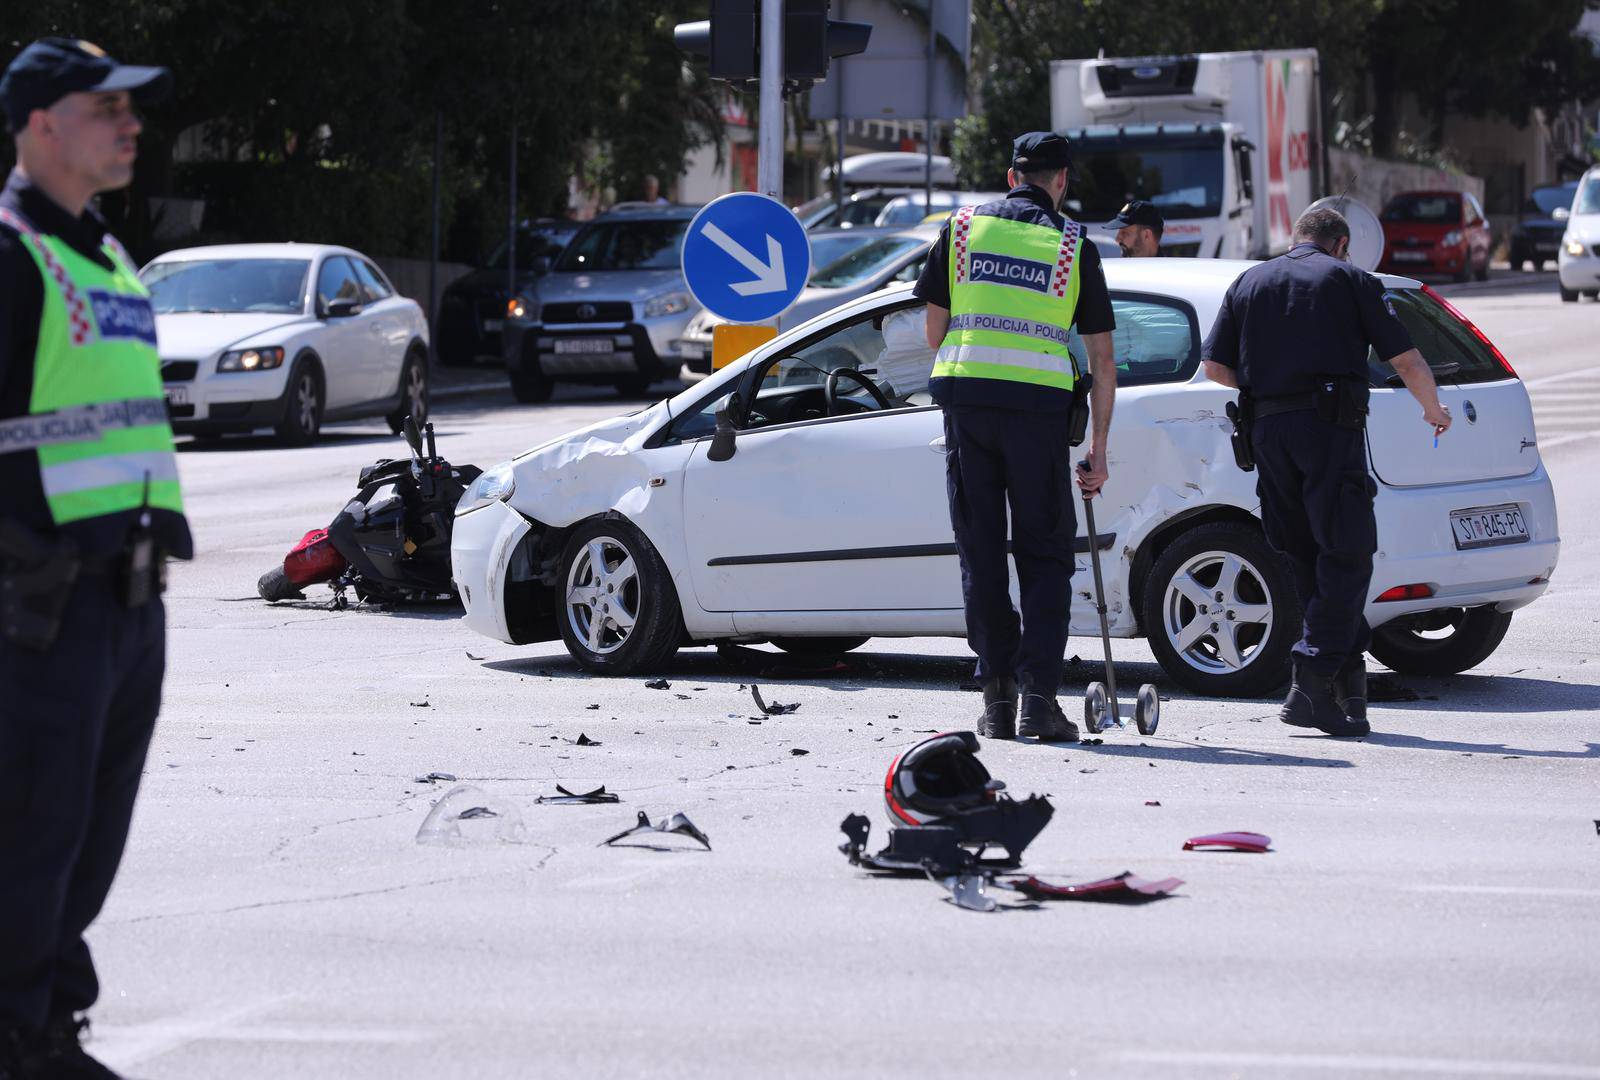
(1550, 444)
(1348, 1063)
(1546, 380)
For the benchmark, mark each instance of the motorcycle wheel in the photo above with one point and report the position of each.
(275, 585)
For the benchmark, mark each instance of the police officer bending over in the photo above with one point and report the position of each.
(1004, 283)
(91, 508)
(1292, 335)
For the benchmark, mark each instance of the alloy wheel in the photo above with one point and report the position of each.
(603, 595)
(416, 393)
(1217, 613)
(305, 396)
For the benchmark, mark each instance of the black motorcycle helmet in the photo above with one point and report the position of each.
(936, 778)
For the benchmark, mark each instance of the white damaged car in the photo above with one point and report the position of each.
(798, 497)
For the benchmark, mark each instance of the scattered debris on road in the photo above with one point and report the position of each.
(658, 684)
(423, 704)
(797, 752)
(475, 812)
(584, 740)
(1252, 842)
(1388, 688)
(1125, 888)
(431, 777)
(1152, 802)
(774, 709)
(678, 823)
(495, 821)
(470, 656)
(567, 798)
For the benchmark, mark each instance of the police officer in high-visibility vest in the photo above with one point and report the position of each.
(91, 509)
(1005, 283)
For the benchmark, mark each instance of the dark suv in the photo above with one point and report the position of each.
(472, 309)
(1536, 237)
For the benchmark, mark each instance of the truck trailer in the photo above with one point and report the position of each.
(1228, 145)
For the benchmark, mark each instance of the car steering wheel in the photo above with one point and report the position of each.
(830, 391)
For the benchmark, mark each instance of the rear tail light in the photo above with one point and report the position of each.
(1405, 592)
(1472, 328)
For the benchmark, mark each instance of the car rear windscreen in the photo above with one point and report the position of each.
(1424, 210)
(1442, 339)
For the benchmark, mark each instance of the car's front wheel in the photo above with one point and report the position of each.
(1220, 611)
(1445, 641)
(619, 607)
(302, 413)
(1569, 296)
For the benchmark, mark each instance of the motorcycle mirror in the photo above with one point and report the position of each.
(413, 439)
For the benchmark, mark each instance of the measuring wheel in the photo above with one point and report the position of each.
(1096, 708)
(1147, 710)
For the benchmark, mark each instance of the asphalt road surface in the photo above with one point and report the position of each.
(1428, 909)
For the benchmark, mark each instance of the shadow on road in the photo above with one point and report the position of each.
(1196, 754)
(1415, 742)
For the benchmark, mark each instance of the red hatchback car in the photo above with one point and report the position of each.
(1435, 232)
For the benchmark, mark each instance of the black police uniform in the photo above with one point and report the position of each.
(1006, 444)
(1289, 326)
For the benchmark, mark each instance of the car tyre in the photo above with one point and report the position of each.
(1592, 294)
(633, 385)
(617, 605)
(819, 646)
(1538, 266)
(1482, 273)
(1257, 622)
(1568, 296)
(302, 412)
(531, 387)
(1474, 635)
(413, 393)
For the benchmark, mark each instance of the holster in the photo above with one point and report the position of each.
(1341, 401)
(1078, 416)
(36, 579)
(1243, 415)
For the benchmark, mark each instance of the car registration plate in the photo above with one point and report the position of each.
(1411, 256)
(177, 395)
(691, 350)
(1488, 526)
(493, 326)
(585, 345)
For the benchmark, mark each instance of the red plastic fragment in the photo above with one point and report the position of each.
(1124, 888)
(313, 559)
(1230, 841)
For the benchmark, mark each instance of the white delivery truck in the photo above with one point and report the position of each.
(1228, 144)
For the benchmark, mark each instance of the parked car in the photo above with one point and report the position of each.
(859, 209)
(284, 336)
(1435, 232)
(1578, 265)
(611, 310)
(783, 500)
(472, 309)
(915, 207)
(854, 269)
(1536, 237)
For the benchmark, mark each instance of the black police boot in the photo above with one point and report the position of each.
(1043, 719)
(999, 720)
(57, 1053)
(1350, 687)
(1311, 704)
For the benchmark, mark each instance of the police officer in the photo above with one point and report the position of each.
(1292, 334)
(1138, 226)
(91, 508)
(1004, 283)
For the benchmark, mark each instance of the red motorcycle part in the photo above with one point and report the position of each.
(1230, 841)
(313, 559)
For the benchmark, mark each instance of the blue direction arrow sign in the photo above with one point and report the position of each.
(746, 257)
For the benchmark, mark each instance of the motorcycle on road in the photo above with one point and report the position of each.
(391, 543)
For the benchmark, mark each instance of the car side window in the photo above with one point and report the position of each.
(373, 286)
(337, 280)
(1157, 340)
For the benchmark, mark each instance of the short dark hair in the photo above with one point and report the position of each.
(1039, 177)
(1323, 227)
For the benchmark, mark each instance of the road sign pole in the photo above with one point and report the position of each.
(769, 140)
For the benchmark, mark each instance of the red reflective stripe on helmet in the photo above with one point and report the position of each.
(888, 795)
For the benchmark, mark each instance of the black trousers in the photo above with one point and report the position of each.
(1316, 508)
(995, 460)
(75, 722)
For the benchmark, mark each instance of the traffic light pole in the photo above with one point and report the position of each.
(769, 137)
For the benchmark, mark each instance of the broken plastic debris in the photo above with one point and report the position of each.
(472, 657)
(966, 890)
(678, 823)
(431, 777)
(1152, 802)
(591, 707)
(797, 752)
(1229, 841)
(420, 704)
(1124, 888)
(658, 684)
(773, 709)
(492, 820)
(584, 740)
(598, 795)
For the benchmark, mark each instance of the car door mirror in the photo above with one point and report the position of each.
(726, 431)
(341, 309)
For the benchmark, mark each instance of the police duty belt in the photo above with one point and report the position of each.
(81, 423)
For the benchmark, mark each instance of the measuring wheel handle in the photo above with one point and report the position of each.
(1147, 710)
(1096, 708)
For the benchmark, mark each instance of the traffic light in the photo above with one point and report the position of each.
(730, 39)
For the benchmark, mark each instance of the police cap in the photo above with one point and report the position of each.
(51, 68)
(1139, 212)
(1040, 150)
